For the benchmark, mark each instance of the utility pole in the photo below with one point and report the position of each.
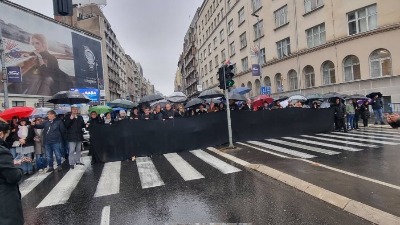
(4, 71)
(225, 83)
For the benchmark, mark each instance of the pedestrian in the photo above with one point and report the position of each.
(40, 153)
(201, 110)
(356, 114)
(11, 207)
(147, 115)
(53, 130)
(26, 134)
(315, 105)
(350, 114)
(365, 114)
(393, 120)
(12, 139)
(277, 105)
(340, 115)
(107, 118)
(232, 105)
(377, 107)
(157, 113)
(168, 113)
(247, 106)
(181, 111)
(221, 107)
(74, 125)
(212, 108)
(64, 144)
(135, 114)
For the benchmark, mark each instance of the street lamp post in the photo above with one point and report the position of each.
(4, 71)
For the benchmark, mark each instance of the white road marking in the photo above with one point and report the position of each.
(324, 144)
(186, 171)
(109, 182)
(218, 164)
(263, 150)
(105, 215)
(367, 136)
(63, 190)
(29, 184)
(282, 150)
(306, 147)
(149, 176)
(359, 139)
(389, 131)
(339, 141)
(379, 133)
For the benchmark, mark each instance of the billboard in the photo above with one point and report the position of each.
(52, 57)
(92, 93)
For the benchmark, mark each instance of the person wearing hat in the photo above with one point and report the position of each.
(74, 125)
(25, 149)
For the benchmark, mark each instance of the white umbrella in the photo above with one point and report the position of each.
(285, 103)
(325, 105)
(297, 98)
(177, 97)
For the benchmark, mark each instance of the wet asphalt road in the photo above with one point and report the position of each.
(240, 197)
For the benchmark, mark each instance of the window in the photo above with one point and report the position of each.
(205, 54)
(205, 68)
(215, 42)
(381, 63)
(17, 103)
(258, 30)
(267, 81)
(201, 57)
(293, 81)
(278, 83)
(309, 76)
(221, 35)
(362, 20)
(281, 16)
(250, 86)
(223, 55)
(328, 73)
(212, 26)
(216, 61)
(310, 5)
(229, 5)
(245, 64)
(316, 35)
(263, 60)
(202, 72)
(212, 81)
(351, 67)
(209, 48)
(219, 17)
(241, 16)
(211, 67)
(283, 48)
(243, 41)
(255, 4)
(230, 26)
(206, 84)
(257, 90)
(232, 48)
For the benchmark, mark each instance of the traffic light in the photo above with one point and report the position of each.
(221, 78)
(62, 7)
(229, 76)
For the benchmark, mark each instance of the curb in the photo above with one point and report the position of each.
(359, 209)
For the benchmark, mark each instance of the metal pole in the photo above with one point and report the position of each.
(4, 71)
(228, 114)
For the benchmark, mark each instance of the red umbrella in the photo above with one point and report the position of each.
(21, 112)
(259, 100)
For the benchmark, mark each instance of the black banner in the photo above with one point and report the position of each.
(128, 138)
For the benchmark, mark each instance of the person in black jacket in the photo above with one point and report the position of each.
(158, 115)
(147, 115)
(168, 113)
(53, 131)
(74, 125)
(11, 206)
(340, 114)
(377, 106)
(356, 115)
(135, 114)
(365, 114)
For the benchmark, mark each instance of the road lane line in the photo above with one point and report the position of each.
(109, 181)
(263, 150)
(105, 215)
(367, 136)
(306, 147)
(29, 184)
(186, 171)
(379, 133)
(359, 139)
(324, 144)
(339, 141)
(362, 210)
(282, 150)
(63, 190)
(218, 164)
(149, 176)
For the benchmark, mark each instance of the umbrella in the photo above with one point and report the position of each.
(215, 100)
(210, 94)
(361, 101)
(123, 103)
(314, 96)
(236, 97)
(100, 109)
(61, 111)
(281, 98)
(325, 105)
(332, 95)
(40, 112)
(357, 97)
(261, 99)
(194, 102)
(301, 98)
(241, 90)
(177, 97)
(373, 94)
(150, 98)
(118, 109)
(162, 103)
(69, 97)
(285, 103)
(21, 112)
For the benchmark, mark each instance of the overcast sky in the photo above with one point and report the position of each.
(150, 31)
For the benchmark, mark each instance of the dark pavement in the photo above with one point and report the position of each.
(244, 196)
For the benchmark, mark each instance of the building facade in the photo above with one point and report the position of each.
(178, 81)
(307, 46)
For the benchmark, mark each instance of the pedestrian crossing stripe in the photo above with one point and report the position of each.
(149, 176)
(186, 171)
(218, 164)
(306, 147)
(109, 182)
(380, 134)
(359, 139)
(339, 141)
(368, 136)
(324, 144)
(282, 150)
(389, 131)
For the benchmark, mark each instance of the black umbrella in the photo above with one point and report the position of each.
(281, 98)
(69, 97)
(373, 94)
(314, 96)
(162, 103)
(332, 95)
(357, 97)
(150, 98)
(194, 102)
(236, 97)
(210, 94)
(177, 97)
(123, 103)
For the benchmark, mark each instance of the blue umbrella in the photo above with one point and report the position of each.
(241, 90)
(118, 109)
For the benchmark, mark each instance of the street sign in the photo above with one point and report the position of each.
(255, 70)
(92, 93)
(266, 90)
(14, 74)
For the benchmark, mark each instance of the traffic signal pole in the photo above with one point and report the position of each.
(228, 113)
(4, 71)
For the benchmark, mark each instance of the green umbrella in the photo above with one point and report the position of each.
(101, 109)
